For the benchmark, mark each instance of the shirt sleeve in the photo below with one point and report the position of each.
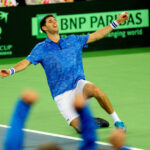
(88, 132)
(83, 40)
(35, 56)
(14, 135)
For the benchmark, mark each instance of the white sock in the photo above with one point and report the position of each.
(115, 116)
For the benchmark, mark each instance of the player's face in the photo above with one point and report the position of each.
(51, 25)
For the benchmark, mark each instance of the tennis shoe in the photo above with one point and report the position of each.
(101, 123)
(120, 124)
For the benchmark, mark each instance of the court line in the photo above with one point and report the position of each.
(63, 136)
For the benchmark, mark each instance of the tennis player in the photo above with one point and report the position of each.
(61, 59)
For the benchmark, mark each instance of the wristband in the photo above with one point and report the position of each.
(114, 24)
(12, 71)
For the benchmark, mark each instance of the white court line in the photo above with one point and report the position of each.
(63, 136)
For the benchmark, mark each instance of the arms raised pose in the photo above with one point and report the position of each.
(61, 59)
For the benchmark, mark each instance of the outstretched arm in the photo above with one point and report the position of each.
(101, 33)
(87, 124)
(14, 136)
(18, 67)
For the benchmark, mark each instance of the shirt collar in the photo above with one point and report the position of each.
(49, 40)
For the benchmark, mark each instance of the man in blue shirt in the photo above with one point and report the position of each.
(62, 61)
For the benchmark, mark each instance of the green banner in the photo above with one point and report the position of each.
(89, 22)
(20, 26)
(5, 49)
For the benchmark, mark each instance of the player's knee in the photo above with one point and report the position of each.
(98, 93)
(95, 90)
(91, 90)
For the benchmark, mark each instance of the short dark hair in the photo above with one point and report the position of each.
(43, 21)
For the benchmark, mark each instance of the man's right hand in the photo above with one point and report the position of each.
(4, 73)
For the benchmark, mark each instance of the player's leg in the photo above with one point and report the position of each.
(75, 122)
(65, 105)
(91, 90)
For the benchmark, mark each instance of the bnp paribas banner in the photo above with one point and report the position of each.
(20, 29)
(89, 22)
(6, 46)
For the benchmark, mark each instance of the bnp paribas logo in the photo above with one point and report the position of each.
(3, 18)
(90, 22)
(36, 31)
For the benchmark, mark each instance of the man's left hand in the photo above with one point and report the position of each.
(123, 16)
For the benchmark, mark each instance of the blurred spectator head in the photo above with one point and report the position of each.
(117, 138)
(48, 146)
(33, 2)
(8, 3)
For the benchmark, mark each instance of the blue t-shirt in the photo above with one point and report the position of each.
(61, 61)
